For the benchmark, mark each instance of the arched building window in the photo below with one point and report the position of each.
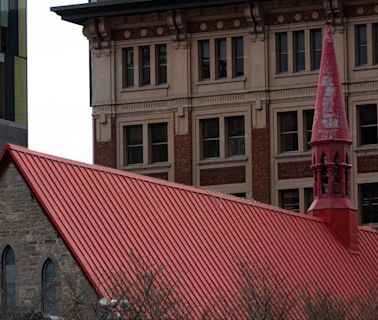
(48, 286)
(336, 175)
(9, 278)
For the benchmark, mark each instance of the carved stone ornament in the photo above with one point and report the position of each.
(177, 24)
(255, 18)
(334, 13)
(97, 31)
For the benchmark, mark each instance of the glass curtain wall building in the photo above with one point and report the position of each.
(13, 72)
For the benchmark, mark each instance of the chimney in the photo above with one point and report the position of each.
(330, 142)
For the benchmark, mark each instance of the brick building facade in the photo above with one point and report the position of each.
(220, 94)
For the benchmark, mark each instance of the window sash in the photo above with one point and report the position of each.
(134, 144)
(235, 136)
(361, 45)
(204, 54)
(288, 131)
(308, 116)
(161, 51)
(159, 142)
(368, 124)
(221, 58)
(128, 67)
(375, 43)
(316, 48)
(145, 71)
(369, 203)
(238, 56)
(289, 199)
(210, 138)
(282, 52)
(299, 49)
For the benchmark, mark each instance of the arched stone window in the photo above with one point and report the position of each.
(9, 278)
(336, 174)
(48, 286)
(324, 175)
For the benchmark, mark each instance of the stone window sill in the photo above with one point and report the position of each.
(293, 154)
(144, 88)
(210, 81)
(142, 166)
(222, 160)
(366, 67)
(296, 74)
(368, 147)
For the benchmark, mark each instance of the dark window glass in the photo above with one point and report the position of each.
(361, 45)
(49, 286)
(9, 279)
(309, 197)
(288, 131)
(204, 53)
(299, 51)
(161, 52)
(134, 144)
(238, 56)
(316, 48)
(210, 138)
(128, 67)
(308, 116)
(221, 46)
(239, 194)
(3, 39)
(145, 66)
(289, 199)
(235, 136)
(369, 203)
(282, 57)
(159, 142)
(368, 124)
(2, 87)
(375, 43)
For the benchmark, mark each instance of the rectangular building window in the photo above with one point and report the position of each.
(288, 131)
(134, 144)
(238, 57)
(367, 117)
(161, 62)
(369, 203)
(308, 197)
(235, 136)
(128, 67)
(221, 58)
(289, 199)
(145, 65)
(308, 118)
(375, 43)
(159, 142)
(210, 138)
(204, 58)
(282, 54)
(299, 51)
(361, 45)
(316, 48)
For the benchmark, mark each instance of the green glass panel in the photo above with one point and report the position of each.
(20, 90)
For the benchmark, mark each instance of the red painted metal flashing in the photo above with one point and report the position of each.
(103, 215)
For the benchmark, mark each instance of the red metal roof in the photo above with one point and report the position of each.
(330, 121)
(103, 215)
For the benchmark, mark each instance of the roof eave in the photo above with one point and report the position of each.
(79, 13)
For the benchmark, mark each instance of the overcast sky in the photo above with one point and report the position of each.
(58, 84)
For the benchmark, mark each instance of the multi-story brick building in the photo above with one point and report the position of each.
(13, 88)
(220, 94)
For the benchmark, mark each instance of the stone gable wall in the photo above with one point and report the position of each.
(26, 228)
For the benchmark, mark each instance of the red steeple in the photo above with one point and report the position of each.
(330, 143)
